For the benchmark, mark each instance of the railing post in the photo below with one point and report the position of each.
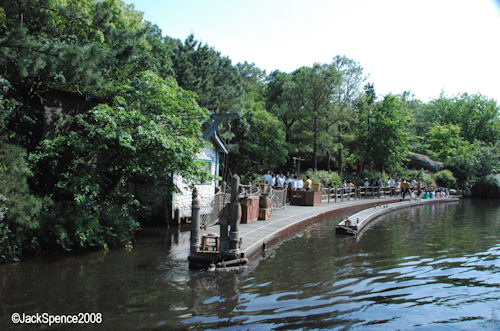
(335, 193)
(195, 222)
(328, 192)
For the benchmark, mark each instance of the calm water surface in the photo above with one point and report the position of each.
(429, 267)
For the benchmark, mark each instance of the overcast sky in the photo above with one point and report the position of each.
(422, 46)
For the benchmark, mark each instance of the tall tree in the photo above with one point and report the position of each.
(344, 98)
(313, 87)
(203, 70)
(383, 134)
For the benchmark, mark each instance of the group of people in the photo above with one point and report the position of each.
(413, 188)
(293, 182)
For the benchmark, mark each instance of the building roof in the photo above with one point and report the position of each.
(218, 142)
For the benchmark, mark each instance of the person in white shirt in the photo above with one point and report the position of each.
(267, 177)
(300, 184)
(281, 181)
(273, 181)
(295, 183)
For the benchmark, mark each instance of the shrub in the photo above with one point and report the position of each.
(18, 207)
(445, 178)
(323, 177)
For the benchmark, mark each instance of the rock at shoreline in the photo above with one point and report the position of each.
(419, 161)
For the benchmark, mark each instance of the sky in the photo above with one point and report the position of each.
(427, 47)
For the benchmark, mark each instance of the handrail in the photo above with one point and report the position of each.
(357, 192)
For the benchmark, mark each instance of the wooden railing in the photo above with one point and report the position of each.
(334, 194)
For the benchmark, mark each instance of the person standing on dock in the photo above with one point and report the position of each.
(300, 183)
(308, 184)
(405, 188)
(295, 183)
(280, 181)
(267, 177)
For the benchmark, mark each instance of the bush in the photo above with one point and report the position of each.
(323, 177)
(18, 207)
(445, 178)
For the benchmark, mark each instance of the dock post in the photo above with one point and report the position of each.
(235, 212)
(195, 222)
(223, 223)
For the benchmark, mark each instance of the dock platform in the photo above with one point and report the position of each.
(258, 235)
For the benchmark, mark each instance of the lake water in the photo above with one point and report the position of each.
(428, 267)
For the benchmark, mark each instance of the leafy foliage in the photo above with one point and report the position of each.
(445, 178)
(323, 177)
(99, 154)
(383, 133)
(444, 141)
(202, 69)
(477, 116)
(259, 143)
(18, 207)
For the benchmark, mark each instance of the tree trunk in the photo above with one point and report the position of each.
(328, 156)
(315, 144)
(339, 155)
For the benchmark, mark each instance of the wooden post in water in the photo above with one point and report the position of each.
(223, 222)
(234, 233)
(195, 222)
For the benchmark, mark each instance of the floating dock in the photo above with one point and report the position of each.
(354, 224)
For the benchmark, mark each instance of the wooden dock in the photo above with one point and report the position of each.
(258, 235)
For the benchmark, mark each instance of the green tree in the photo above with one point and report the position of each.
(283, 103)
(443, 141)
(89, 47)
(19, 209)
(473, 161)
(259, 138)
(477, 116)
(202, 69)
(313, 88)
(260, 142)
(344, 97)
(146, 134)
(383, 135)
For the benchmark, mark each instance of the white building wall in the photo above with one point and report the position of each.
(183, 200)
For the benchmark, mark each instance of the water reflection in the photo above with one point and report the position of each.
(432, 266)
